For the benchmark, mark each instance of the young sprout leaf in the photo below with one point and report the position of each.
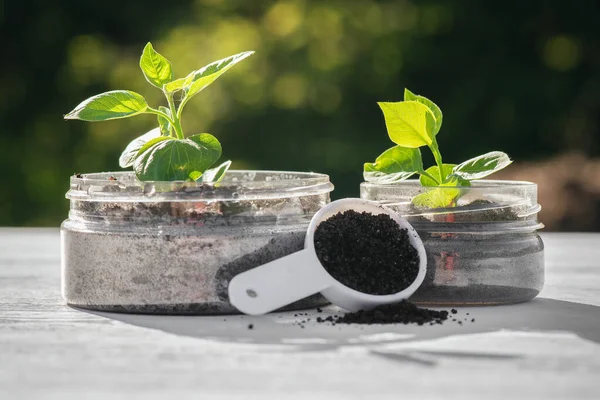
(132, 149)
(395, 164)
(437, 113)
(156, 68)
(176, 159)
(215, 175)
(163, 123)
(453, 180)
(482, 166)
(177, 84)
(439, 197)
(110, 105)
(409, 123)
(413, 123)
(200, 79)
(195, 175)
(436, 198)
(434, 171)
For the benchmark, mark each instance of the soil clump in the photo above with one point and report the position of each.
(404, 312)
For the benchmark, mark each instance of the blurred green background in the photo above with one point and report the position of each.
(522, 77)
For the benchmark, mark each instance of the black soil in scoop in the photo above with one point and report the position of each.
(368, 253)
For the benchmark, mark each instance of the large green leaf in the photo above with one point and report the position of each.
(409, 123)
(209, 146)
(132, 149)
(437, 113)
(395, 164)
(109, 105)
(175, 160)
(196, 81)
(156, 68)
(482, 166)
(163, 123)
(150, 143)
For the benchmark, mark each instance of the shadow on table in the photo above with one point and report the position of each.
(285, 329)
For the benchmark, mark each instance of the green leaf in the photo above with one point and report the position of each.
(482, 166)
(440, 196)
(195, 175)
(175, 160)
(409, 123)
(209, 146)
(163, 123)
(434, 171)
(150, 143)
(109, 105)
(215, 175)
(195, 82)
(437, 198)
(156, 68)
(132, 149)
(395, 164)
(453, 180)
(177, 84)
(435, 110)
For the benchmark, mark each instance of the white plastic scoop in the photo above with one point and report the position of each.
(281, 282)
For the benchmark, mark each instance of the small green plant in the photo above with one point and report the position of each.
(414, 123)
(164, 153)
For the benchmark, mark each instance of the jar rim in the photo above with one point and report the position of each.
(480, 183)
(485, 202)
(237, 185)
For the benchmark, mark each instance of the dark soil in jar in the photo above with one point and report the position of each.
(368, 253)
(493, 212)
(477, 211)
(198, 212)
(186, 202)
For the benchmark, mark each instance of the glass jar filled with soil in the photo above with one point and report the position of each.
(173, 247)
(483, 248)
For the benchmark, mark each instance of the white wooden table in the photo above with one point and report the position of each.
(548, 348)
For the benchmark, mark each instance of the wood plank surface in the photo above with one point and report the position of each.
(548, 348)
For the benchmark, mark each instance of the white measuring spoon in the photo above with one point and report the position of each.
(281, 282)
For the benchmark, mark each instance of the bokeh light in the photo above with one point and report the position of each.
(509, 76)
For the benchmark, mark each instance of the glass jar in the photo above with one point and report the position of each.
(173, 247)
(484, 249)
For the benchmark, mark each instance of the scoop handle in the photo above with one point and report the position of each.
(278, 283)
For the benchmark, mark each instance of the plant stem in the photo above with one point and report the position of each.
(151, 110)
(180, 110)
(438, 158)
(176, 118)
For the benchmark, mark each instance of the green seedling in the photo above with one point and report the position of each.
(414, 123)
(164, 153)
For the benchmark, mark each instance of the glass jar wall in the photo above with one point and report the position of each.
(482, 248)
(173, 247)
